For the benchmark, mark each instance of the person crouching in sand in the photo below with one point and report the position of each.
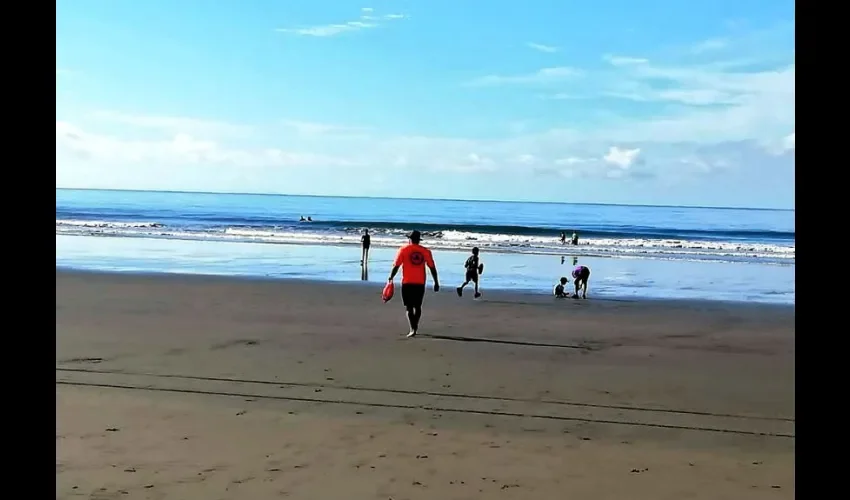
(473, 268)
(581, 274)
(559, 291)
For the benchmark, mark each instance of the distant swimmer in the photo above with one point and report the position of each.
(559, 290)
(302, 219)
(309, 219)
(412, 260)
(581, 274)
(574, 239)
(365, 243)
(474, 268)
(563, 238)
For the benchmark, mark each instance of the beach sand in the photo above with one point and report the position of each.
(192, 387)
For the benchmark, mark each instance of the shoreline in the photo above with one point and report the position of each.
(535, 251)
(518, 295)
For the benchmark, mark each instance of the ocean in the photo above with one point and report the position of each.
(643, 251)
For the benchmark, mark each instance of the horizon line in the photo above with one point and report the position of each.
(775, 209)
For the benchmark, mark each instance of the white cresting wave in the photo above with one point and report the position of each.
(456, 240)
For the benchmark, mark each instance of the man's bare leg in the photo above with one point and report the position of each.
(413, 316)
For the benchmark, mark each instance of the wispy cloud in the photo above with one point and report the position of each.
(366, 20)
(318, 128)
(710, 45)
(624, 61)
(542, 48)
(174, 124)
(540, 77)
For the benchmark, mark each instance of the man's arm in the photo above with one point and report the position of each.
(432, 266)
(433, 270)
(396, 264)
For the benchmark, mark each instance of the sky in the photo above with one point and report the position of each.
(658, 102)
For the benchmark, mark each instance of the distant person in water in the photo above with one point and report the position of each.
(365, 243)
(302, 219)
(581, 274)
(309, 219)
(559, 291)
(563, 238)
(574, 239)
(412, 259)
(473, 267)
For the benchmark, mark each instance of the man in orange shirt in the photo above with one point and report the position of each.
(412, 259)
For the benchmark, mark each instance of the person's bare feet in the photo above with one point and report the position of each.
(412, 333)
(459, 291)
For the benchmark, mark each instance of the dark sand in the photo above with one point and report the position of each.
(209, 388)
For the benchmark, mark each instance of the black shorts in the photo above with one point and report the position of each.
(472, 275)
(412, 295)
(366, 247)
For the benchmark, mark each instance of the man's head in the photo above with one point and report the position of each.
(474, 250)
(415, 237)
(563, 280)
(365, 231)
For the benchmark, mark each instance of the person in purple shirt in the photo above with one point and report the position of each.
(580, 276)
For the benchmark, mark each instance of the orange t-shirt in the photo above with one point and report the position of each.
(413, 258)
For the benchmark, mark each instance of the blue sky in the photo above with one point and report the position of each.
(612, 101)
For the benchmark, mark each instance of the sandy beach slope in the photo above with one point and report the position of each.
(191, 387)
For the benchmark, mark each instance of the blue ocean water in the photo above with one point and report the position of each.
(649, 251)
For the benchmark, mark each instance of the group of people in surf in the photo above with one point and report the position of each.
(573, 239)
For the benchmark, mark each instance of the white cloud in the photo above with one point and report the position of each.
(790, 141)
(366, 21)
(623, 158)
(179, 149)
(542, 48)
(172, 124)
(710, 45)
(540, 77)
(318, 128)
(624, 61)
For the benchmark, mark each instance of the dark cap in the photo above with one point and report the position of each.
(415, 235)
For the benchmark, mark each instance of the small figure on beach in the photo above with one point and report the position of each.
(412, 260)
(575, 261)
(474, 268)
(581, 274)
(365, 244)
(559, 290)
(574, 239)
(563, 238)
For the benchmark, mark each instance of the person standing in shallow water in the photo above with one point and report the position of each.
(412, 260)
(365, 244)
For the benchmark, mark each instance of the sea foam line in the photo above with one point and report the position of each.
(452, 240)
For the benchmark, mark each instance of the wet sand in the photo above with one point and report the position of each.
(194, 387)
